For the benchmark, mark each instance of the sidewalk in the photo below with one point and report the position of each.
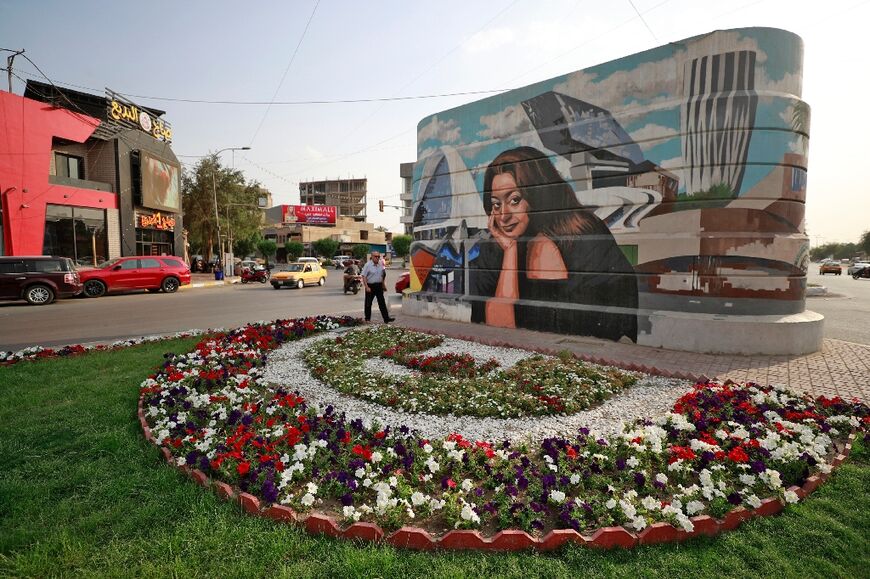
(839, 369)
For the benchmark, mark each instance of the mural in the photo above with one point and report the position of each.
(671, 180)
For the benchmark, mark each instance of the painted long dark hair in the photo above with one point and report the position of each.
(554, 209)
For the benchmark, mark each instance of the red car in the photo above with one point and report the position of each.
(164, 272)
(404, 282)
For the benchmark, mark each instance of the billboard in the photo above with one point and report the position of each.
(160, 183)
(309, 214)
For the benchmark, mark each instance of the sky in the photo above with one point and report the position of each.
(162, 53)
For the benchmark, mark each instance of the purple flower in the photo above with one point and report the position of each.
(757, 466)
(270, 493)
(620, 463)
(347, 500)
(734, 499)
(639, 479)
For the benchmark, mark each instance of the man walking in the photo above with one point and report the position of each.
(373, 275)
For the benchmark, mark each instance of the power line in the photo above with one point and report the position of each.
(642, 19)
(286, 70)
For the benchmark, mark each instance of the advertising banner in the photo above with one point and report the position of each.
(310, 214)
(160, 184)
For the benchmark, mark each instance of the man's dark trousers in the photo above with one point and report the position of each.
(377, 292)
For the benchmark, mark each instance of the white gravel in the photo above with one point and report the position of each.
(651, 396)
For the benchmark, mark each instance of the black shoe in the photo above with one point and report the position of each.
(388, 320)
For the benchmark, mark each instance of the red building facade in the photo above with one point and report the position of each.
(80, 180)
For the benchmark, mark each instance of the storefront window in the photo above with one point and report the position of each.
(76, 232)
(154, 242)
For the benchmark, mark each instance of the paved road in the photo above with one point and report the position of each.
(846, 308)
(846, 311)
(114, 317)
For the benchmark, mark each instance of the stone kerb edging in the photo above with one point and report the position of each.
(508, 540)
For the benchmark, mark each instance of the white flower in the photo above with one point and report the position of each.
(312, 488)
(639, 523)
(790, 496)
(360, 472)
(747, 479)
(611, 504)
(694, 507)
(632, 462)
(427, 447)
(753, 501)
(348, 512)
(650, 503)
(467, 485)
(557, 497)
(418, 498)
(662, 478)
(307, 500)
(575, 478)
(376, 457)
(432, 465)
(468, 514)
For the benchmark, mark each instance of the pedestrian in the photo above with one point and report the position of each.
(374, 274)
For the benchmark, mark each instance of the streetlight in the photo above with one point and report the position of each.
(214, 191)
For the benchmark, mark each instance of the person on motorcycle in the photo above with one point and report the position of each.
(350, 276)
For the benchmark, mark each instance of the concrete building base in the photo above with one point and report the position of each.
(794, 334)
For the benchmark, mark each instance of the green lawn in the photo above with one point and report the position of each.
(81, 492)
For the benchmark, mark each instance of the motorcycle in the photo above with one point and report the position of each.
(863, 272)
(260, 275)
(352, 283)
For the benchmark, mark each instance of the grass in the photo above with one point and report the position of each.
(82, 493)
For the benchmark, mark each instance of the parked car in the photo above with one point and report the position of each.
(404, 282)
(154, 273)
(299, 275)
(830, 267)
(856, 266)
(39, 279)
(862, 272)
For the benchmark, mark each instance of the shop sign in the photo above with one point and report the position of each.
(156, 221)
(311, 214)
(126, 113)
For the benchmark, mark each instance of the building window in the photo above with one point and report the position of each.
(364, 234)
(154, 242)
(76, 232)
(69, 166)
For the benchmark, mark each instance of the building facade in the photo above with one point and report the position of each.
(307, 224)
(406, 172)
(348, 195)
(89, 177)
(658, 198)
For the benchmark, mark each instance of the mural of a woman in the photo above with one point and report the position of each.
(548, 264)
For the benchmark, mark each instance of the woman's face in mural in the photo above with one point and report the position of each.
(510, 210)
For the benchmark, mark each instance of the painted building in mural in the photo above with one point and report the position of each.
(89, 177)
(670, 181)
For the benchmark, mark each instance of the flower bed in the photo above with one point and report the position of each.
(40, 353)
(723, 446)
(449, 383)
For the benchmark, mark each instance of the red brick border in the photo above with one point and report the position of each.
(508, 540)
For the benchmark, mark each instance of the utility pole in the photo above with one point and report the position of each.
(9, 60)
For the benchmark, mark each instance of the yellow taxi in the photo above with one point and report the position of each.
(299, 275)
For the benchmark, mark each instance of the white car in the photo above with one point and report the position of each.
(338, 261)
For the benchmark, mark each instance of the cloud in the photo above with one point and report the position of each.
(651, 135)
(489, 40)
(505, 123)
(444, 131)
(654, 82)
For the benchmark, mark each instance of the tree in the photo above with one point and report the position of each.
(325, 247)
(402, 246)
(267, 247)
(361, 251)
(864, 242)
(246, 246)
(294, 250)
(237, 210)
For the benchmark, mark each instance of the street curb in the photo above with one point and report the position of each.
(207, 284)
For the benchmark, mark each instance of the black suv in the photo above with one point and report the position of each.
(38, 279)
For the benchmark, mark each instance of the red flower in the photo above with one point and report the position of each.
(572, 454)
(362, 451)
(243, 468)
(380, 434)
(737, 454)
(346, 438)
(450, 483)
